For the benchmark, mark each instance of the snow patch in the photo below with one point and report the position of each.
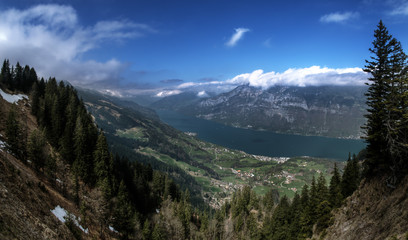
(12, 98)
(112, 229)
(2, 145)
(62, 214)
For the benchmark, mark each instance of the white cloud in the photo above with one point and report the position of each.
(202, 94)
(312, 76)
(301, 77)
(338, 17)
(401, 9)
(166, 93)
(195, 84)
(111, 92)
(50, 39)
(239, 33)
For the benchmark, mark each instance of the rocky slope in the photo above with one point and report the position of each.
(374, 211)
(324, 111)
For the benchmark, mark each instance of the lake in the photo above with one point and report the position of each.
(263, 142)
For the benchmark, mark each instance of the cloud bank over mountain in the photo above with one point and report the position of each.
(311, 76)
(301, 77)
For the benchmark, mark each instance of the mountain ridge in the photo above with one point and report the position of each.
(332, 111)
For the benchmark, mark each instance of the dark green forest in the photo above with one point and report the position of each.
(140, 202)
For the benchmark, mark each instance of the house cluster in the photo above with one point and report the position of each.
(243, 174)
(268, 159)
(293, 189)
(289, 177)
(216, 200)
(191, 134)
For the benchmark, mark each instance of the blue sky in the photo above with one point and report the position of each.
(168, 45)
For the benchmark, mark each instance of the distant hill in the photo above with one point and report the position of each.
(91, 95)
(332, 111)
(179, 102)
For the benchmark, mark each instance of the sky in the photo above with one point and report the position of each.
(164, 47)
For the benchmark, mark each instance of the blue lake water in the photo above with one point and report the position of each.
(263, 142)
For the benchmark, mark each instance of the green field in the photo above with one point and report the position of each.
(239, 169)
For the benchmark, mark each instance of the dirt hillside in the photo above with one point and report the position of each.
(374, 211)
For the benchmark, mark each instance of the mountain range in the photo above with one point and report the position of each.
(332, 111)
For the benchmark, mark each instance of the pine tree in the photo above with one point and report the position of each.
(305, 219)
(295, 215)
(335, 196)
(103, 165)
(82, 164)
(204, 222)
(67, 140)
(6, 77)
(304, 197)
(322, 191)
(268, 201)
(50, 166)
(351, 177)
(123, 212)
(313, 201)
(385, 101)
(57, 121)
(324, 210)
(158, 232)
(85, 138)
(26, 81)
(280, 219)
(13, 133)
(36, 152)
(146, 232)
(376, 94)
(252, 226)
(35, 99)
(17, 82)
(397, 107)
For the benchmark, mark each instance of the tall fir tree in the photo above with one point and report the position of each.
(385, 101)
(335, 196)
(103, 165)
(36, 151)
(305, 221)
(313, 200)
(351, 177)
(397, 107)
(123, 216)
(5, 75)
(13, 132)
